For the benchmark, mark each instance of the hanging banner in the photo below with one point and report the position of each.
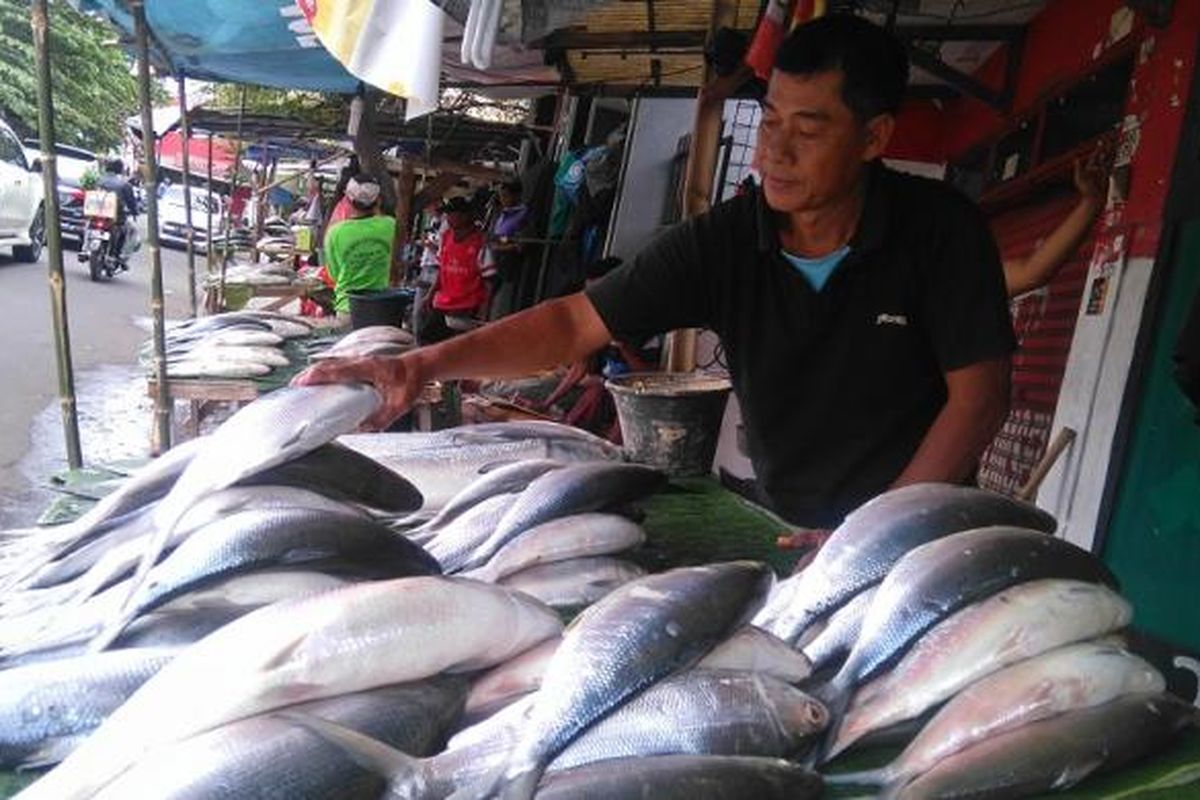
(395, 45)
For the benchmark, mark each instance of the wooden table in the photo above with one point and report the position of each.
(202, 394)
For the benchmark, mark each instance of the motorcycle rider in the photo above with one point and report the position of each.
(114, 181)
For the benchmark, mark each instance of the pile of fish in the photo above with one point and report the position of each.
(242, 344)
(256, 274)
(374, 340)
(287, 609)
(953, 614)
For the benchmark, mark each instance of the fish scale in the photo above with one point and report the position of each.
(454, 544)
(625, 642)
(45, 708)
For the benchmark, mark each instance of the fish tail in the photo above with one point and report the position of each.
(398, 767)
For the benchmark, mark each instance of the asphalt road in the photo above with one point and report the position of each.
(108, 322)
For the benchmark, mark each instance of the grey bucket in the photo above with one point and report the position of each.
(671, 420)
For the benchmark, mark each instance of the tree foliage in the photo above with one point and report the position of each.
(93, 87)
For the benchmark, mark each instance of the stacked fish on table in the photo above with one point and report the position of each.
(372, 340)
(953, 613)
(289, 609)
(242, 344)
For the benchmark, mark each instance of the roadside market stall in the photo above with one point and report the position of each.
(497, 503)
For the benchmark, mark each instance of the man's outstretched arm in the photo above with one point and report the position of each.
(552, 333)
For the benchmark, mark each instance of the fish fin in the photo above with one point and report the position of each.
(492, 466)
(522, 786)
(1074, 773)
(112, 630)
(368, 753)
(50, 752)
(867, 777)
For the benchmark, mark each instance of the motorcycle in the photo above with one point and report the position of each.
(101, 233)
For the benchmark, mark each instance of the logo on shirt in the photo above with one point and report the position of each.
(892, 319)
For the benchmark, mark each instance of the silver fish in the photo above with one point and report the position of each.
(443, 463)
(271, 430)
(575, 536)
(27, 550)
(507, 479)
(627, 641)
(340, 473)
(454, 544)
(47, 709)
(747, 650)
(334, 643)
(575, 583)
(937, 579)
(1056, 753)
(684, 778)
(697, 712)
(877, 534)
(176, 629)
(1016, 624)
(213, 367)
(1064, 680)
(573, 489)
(838, 637)
(280, 537)
(270, 757)
(239, 354)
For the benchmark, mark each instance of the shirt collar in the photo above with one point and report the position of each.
(872, 225)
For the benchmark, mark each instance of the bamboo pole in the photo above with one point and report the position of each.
(162, 391)
(233, 184)
(291, 176)
(186, 138)
(701, 167)
(39, 19)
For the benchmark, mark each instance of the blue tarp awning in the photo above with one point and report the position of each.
(263, 42)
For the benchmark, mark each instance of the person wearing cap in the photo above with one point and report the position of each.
(459, 289)
(862, 311)
(358, 250)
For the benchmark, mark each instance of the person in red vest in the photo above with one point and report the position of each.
(459, 293)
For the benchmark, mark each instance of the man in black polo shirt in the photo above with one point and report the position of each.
(863, 311)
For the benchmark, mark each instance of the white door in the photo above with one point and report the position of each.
(16, 187)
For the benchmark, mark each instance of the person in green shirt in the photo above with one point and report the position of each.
(358, 250)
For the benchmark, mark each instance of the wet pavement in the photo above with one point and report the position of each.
(108, 322)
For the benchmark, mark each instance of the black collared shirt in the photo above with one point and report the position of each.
(837, 387)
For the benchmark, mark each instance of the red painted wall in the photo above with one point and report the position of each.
(1064, 42)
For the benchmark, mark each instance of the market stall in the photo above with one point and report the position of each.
(945, 640)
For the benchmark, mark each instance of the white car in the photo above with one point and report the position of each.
(22, 223)
(172, 216)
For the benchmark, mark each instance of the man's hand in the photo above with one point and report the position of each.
(397, 379)
(1091, 174)
(811, 539)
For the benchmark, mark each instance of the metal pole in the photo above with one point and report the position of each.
(162, 392)
(186, 137)
(39, 18)
(237, 163)
(208, 248)
(701, 166)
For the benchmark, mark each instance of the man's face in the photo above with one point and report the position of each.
(811, 147)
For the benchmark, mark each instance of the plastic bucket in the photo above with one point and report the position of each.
(385, 307)
(671, 420)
